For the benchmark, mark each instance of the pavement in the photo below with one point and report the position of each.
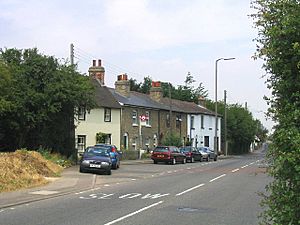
(70, 181)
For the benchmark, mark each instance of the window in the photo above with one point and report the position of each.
(168, 120)
(81, 113)
(206, 141)
(178, 121)
(107, 115)
(108, 139)
(134, 142)
(202, 122)
(81, 142)
(134, 117)
(147, 118)
(192, 122)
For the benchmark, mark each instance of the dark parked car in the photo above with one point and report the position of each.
(210, 152)
(204, 154)
(191, 153)
(168, 154)
(114, 154)
(96, 159)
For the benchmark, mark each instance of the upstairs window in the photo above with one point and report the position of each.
(147, 118)
(202, 122)
(178, 121)
(168, 120)
(134, 117)
(192, 122)
(81, 113)
(107, 115)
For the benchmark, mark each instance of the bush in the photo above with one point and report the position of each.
(172, 139)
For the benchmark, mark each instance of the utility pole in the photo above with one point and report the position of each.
(225, 122)
(170, 107)
(246, 105)
(72, 54)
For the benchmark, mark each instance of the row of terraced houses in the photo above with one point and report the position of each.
(137, 121)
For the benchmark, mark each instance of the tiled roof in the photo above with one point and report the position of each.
(103, 96)
(143, 100)
(187, 107)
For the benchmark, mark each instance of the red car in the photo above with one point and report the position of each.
(168, 154)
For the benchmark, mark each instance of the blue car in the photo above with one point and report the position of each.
(114, 154)
(96, 159)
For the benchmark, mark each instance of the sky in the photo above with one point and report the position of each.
(163, 39)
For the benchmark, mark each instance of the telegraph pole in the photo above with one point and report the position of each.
(225, 122)
(72, 54)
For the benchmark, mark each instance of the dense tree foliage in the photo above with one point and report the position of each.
(278, 44)
(242, 128)
(38, 96)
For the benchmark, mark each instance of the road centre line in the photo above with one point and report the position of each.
(190, 189)
(244, 166)
(217, 177)
(235, 170)
(133, 213)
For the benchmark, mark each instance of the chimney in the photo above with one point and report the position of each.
(97, 71)
(156, 91)
(201, 101)
(122, 85)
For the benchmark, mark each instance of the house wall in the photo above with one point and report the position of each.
(180, 130)
(131, 131)
(94, 123)
(198, 133)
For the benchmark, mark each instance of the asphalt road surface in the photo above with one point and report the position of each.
(221, 192)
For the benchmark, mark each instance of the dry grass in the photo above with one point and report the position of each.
(23, 169)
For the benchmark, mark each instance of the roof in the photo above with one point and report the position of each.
(138, 99)
(143, 100)
(187, 107)
(103, 96)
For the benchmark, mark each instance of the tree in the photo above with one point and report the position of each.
(39, 108)
(278, 45)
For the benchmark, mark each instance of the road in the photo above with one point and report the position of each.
(222, 192)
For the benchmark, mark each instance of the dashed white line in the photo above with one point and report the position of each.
(93, 189)
(1, 210)
(188, 168)
(133, 213)
(190, 189)
(223, 175)
(235, 170)
(244, 166)
(251, 163)
(106, 185)
(133, 179)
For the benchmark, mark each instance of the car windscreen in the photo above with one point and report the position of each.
(185, 149)
(161, 149)
(97, 152)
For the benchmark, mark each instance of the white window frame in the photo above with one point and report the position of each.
(134, 118)
(107, 114)
(81, 143)
(148, 119)
(81, 113)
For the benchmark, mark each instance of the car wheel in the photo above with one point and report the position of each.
(201, 159)
(184, 161)
(108, 172)
(192, 160)
(155, 162)
(81, 170)
(173, 162)
(216, 158)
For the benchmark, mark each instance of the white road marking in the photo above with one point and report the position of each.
(244, 166)
(133, 179)
(235, 170)
(131, 195)
(12, 208)
(169, 172)
(106, 185)
(188, 168)
(223, 175)
(154, 196)
(133, 213)
(1, 210)
(93, 189)
(252, 163)
(190, 189)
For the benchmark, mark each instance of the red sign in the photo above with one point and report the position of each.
(144, 117)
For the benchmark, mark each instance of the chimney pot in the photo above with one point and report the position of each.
(99, 62)
(94, 62)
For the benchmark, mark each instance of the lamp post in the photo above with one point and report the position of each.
(216, 103)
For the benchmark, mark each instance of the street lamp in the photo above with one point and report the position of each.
(216, 103)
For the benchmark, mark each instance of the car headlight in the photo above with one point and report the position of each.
(86, 161)
(105, 163)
